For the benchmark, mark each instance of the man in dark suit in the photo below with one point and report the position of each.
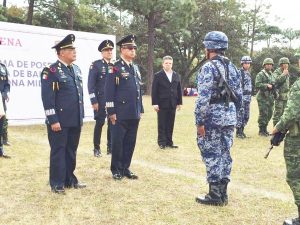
(96, 82)
(124, 107)
(166, 98)
(61, 86)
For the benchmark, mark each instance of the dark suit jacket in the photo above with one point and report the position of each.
(166, 94)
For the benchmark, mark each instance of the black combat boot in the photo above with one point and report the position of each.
(262, 132)
(239, 132)
(223, 189)
(243, 134)
(295, 221)
(213, 197)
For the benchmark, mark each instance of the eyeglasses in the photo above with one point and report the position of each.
(130, 47)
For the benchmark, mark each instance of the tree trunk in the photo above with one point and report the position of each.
(4, 3)
(70, 17)
(150, 58)
(30, 12)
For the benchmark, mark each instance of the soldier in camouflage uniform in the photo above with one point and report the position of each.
(281, 76)
(264, 82)
(244, 112)
(215, 114)
(290, 120)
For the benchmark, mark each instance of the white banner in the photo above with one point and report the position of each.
(26, 50)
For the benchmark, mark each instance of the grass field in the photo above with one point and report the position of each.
(169, 180)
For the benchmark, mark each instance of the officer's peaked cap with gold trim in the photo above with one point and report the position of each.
(106, 44)
(127, 40)
(67, 42)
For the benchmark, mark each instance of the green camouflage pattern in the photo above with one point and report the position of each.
(264, 97)
(282, 83)
(291, 120)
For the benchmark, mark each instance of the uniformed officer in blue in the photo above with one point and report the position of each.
(61, 85)
(96, 82)
(220, 96)
(124, 107)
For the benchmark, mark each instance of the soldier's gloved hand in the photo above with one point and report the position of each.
(201, 131)
(113, 119)
(95, 107)
(56, 127)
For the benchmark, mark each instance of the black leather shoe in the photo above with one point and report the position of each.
(58, 190)
(117, 176)
(97, 152)
(130, 175)
(162, 146)
(172, 146)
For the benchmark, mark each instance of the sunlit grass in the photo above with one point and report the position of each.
(169, 180)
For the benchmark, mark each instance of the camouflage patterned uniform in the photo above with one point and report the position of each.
(291, 120)
(282, 85)
(244, 113)
(218, 118)
(265, 99)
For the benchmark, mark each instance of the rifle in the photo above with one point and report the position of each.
(275, 141)
(274, 91)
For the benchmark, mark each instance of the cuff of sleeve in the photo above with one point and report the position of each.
(52, 119)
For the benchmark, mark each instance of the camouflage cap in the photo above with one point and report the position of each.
(283, 60)
(268, 61)
(216, 40)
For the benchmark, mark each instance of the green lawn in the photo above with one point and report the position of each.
(169, 180)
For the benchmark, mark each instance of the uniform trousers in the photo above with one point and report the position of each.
(123, 137)
(165, 119)
(215, 152)
(292, 161)
(63, 155)
(98, 131)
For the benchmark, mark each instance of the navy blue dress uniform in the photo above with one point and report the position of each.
(4, 88)
(62, 96)
(96, 83)
(123, 98)
(167, 95)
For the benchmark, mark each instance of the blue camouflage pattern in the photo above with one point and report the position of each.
(215, 40)
(244, 113)
(218, 119)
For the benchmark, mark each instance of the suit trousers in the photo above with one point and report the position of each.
(63, 155)
(166, 118)
(123, 137)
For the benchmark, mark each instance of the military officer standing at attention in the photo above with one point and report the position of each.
(220, 97)
(124, 107)
(290, 120)
(61, 85)
(244, 113)
(282, 82)
(96, 83)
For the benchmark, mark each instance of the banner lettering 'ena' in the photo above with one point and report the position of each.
(26, 50)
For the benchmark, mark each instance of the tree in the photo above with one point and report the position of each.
(157, 14)
(255, 22)
(30, 12)
(290, 35)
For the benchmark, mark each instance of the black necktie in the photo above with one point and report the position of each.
(71, 70)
